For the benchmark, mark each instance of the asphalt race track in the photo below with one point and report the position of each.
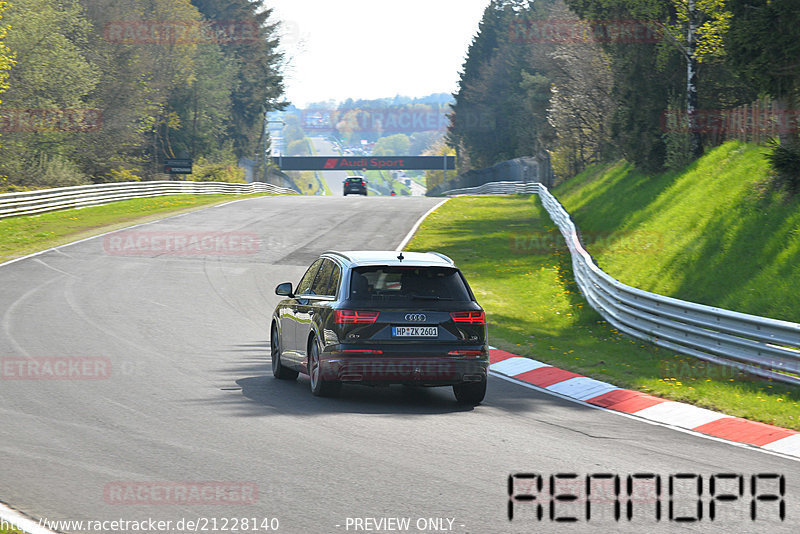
(175, 391)
(333, 179)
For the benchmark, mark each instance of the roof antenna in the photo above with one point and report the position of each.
(400, 256)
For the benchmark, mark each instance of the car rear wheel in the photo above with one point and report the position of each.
(319, 386)
(470, 392)
(278, 369)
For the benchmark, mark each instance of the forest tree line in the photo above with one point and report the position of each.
(595, 80)
(102, 90)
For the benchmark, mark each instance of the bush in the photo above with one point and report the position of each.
(298, 148)
(678, 150)
(43, 171)
(785, 161)
(123, 175)
(204, 171)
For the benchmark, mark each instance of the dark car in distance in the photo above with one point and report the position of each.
(355, 184)
(379, 318)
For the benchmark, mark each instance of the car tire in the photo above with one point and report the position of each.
(470, 392)
(319, 386)
(278, 369)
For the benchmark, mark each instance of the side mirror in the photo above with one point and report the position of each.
(284, 290)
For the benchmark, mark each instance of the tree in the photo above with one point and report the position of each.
(705, 21)
(439, 148)
(140, 72)
(763, 45)
(393, 145)
(164, 78)
(581, 105)
(6, 55)
(647, 76)
(298, 147)
(500, 109)
(46, 38)
(259, 83)
(203, 108)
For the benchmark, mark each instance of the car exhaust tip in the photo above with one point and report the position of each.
(473, 378)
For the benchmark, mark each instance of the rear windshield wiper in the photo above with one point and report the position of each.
(428, 297)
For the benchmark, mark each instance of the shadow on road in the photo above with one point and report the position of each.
(255, 392)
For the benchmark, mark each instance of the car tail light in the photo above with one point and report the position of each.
(470, 317)
(355, 316)
(363, 183)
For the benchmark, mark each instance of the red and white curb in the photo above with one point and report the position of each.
(674, 414)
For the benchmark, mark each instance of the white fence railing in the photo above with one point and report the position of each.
(496, 188)
(40, 201)
(765, 347)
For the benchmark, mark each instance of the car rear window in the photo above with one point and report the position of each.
(404, 285)
(354, 179)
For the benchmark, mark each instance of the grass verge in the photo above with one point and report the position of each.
(534, 309)
(4, 530)
(716, 232)
(27, 234)
(306, 181)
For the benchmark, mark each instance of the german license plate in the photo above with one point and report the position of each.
(415, 331)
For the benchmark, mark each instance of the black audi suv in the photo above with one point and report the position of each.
(381, 318)
(355, 184)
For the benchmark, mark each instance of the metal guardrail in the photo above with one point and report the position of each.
(40, 201)
(765, 347)
(496, 188)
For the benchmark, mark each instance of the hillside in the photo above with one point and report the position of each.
(714, 233)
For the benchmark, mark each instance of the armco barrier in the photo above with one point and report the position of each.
(497, 188)
(32, 202)
(765, 347)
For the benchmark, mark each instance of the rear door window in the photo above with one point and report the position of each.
(304, 287)
(327, 279)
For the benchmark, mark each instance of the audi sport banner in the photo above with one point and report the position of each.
(355, 163)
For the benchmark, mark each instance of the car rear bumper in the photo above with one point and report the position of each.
(412, 369)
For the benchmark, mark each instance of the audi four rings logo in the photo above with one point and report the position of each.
(416, 317)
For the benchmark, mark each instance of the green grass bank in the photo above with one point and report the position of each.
(716, 233)
(674, 233)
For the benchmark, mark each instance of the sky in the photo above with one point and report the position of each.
(339, 49)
